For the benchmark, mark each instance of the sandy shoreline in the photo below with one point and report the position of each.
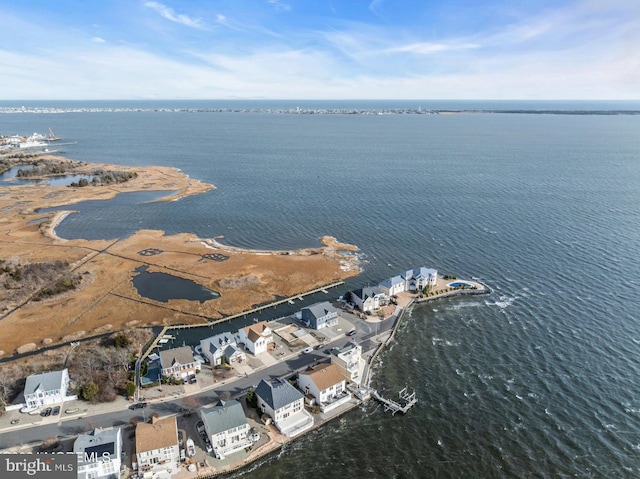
(105, 293)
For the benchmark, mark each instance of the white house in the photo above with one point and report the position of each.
(227, 427)
(327, 384)
(257, 337)
(369, 298)
(419, 278)
(320, 315)
(349, 361)
(392, 286)
(412, 280)
(99, 454)
(157, 448)
(47, 388)
(179, 363)
(285, 405)
(221, 346)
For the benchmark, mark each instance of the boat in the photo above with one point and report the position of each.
(191, 448)
(34, 141)
(51, 136)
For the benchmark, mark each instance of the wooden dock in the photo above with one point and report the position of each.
(406, 401)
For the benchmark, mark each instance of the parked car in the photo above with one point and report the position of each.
(46, 412)
(307, 350)
(352, 332)
(319, 346)
(139, 405)
(56, 411)
(200, 427)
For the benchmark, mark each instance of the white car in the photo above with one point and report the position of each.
(307, 350)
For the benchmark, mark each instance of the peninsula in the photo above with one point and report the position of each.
(57, 290)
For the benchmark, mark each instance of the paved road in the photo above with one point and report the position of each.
(73, 427)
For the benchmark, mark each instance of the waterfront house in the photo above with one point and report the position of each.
(179, 363)
(327, 385)
(349, 361)
(419, 278)
(226, 427)
(157, 448)
(320, 315)
(221, 347)
(285, 405)
(369, 298)
(257, 337)
(412, 280)
(392, 286)
(47, 388)
(99, 454)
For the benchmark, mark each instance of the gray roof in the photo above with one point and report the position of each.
(223, 416)
(219, 341)
(182, 355)
(50, 381)
(278, 393)
(420, 272)
(98, 441)
(230, 351)
(321, 309)
(388, 283)
(346, 348)
(368, 292)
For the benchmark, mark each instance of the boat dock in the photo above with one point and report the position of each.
(406, 401)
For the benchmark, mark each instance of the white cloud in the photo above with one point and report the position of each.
(98, 40)
(170, 14)
(279, 5)
(430, 48)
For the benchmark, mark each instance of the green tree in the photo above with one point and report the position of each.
(89, 391)
(121, 341)
(251, 398)
(130, 389)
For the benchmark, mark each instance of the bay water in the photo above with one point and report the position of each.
(538, 379)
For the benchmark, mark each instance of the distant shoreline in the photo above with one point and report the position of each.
(320, 111)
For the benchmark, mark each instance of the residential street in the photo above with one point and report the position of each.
(35, 429)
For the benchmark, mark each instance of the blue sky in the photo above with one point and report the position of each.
(320, 49)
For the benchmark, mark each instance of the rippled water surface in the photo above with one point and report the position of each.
(538, 379)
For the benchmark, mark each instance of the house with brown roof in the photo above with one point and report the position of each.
(179, 363)
(327, 384)
(157, 448)
(257, 338)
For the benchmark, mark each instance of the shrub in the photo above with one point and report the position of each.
(130, 389)
(251, 398)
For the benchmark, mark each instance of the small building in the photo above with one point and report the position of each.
(257, 337)
(320, 315)
(226, 427)
(221, 347)
(99, 454)
(157, 448)
(327, 385)
(369, 298)
(47, 388)
(349, 361)
(285, 405)
(179, 363)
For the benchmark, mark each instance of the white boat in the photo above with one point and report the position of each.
(191, 448)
